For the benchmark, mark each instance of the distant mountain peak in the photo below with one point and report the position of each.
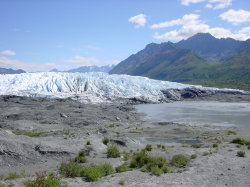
(11, 71)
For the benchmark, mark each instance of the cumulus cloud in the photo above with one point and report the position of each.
(140, 20)
(16, 64)
(84, 61)
(188, 18)
(191, 24)
(7, 52)
(215, 4)
(236, 17)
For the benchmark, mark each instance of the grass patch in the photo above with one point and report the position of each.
(240, 141)
(29, 134)
(122, 168)
(215, 145)
(194, 156)
(179, 160)
(45, 181)
(197, 146)
(241, 154)
(231, 133)
(90, 173)
(148, 147)
(81, 157)
(105, 141)
(113, 152)
(12, 176)
(149, 164)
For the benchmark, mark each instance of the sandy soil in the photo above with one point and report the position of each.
(67, 125)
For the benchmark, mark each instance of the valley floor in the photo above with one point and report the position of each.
(37, 135)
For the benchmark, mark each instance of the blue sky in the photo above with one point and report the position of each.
(38, 35)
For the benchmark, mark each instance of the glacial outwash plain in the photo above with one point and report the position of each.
(85, 129)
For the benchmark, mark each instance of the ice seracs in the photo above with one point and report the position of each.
(92, 87)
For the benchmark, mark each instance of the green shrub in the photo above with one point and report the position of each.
(1, 177)
(194, 156)
(248, 147)
(147, 163)
(241, 154)
(93, 173)
(240, 141)
(106, 169)
(148, 147)
(113, 152)
(156, 171)
(105, 141)
(158, 146)
(215, 145)
(179, 160)
(81, 157)
(70, 169)
(196, 146)
(88, 143)
(122, 168)
(46, 181)
(12, 176)
(231, 133)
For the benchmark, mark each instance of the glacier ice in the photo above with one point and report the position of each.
(89, 87)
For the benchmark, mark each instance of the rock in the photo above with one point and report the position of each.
(63, 115)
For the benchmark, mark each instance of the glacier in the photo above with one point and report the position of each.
(92, 87)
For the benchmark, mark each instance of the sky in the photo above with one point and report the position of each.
(39, 35)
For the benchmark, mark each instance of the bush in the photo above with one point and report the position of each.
(105, 141)
(113, 152)
(93, 173)
(194, 156)
(46, 181)
(148, 164)
(148, 147)
(215, 145)
(240, 141)
(81, 157)
(156, 171)
(122, 168)
(179, 161)
(196, 146)
(88, 143)
(70, 169)
(241, 154)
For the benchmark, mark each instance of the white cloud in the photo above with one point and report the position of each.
(215, 4)
(188, 18)
(16, 64)
(236, 17)
(7, 52)
(191, 25)
(79, 60)
(140, 20)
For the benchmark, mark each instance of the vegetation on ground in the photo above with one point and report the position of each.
(196, 146)
(240, 141)
(231, 133)
(179, 160)
(45, 181)
(105, 141)
(81, 157)
(113, 152)
(29, 134)
(241, 154)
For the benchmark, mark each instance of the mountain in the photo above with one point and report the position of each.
(163, 61)
(97, 87)
(233, 73)
(84, 69)
(210, 48)
(11, 71)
